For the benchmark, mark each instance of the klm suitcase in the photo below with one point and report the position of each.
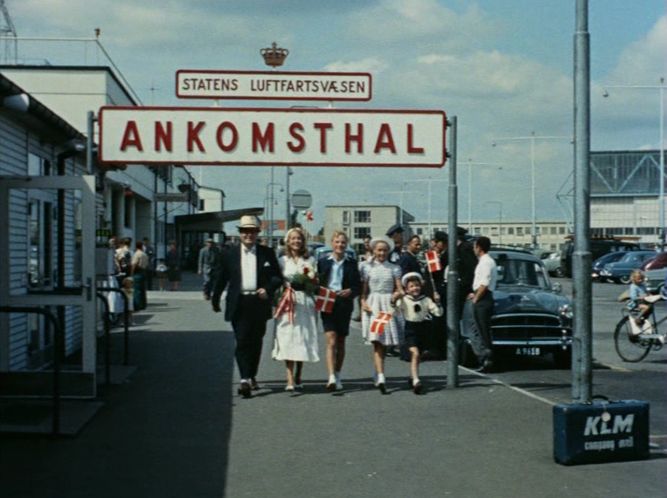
(602, 431)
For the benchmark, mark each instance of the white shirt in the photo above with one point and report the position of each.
(248, 269)
(485, 273)
(336, 275)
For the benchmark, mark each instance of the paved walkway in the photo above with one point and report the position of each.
(177, 429)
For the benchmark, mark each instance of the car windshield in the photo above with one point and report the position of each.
(521, 272)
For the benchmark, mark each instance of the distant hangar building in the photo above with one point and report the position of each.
(625, 186)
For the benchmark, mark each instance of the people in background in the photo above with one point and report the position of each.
(173, 263)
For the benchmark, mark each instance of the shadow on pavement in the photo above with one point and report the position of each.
(164, 433)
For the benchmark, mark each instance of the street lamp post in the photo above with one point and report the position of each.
(288, 213)
(532, 139)
(429, 181)
(661, 195)
(270, 196)
(500, 220)
(470, 165)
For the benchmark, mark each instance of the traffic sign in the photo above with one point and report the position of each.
(252, 136)
(301, 199)
(273, 85)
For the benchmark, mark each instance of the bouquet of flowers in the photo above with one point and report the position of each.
(306, 280)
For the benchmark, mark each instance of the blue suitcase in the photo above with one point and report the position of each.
(602, 431)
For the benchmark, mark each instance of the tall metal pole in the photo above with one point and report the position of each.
(287, 201)
(582, 345)
(469, 197)
(453, 274)
(662, 165)
(90, 142)
(532, 188)
(430, 229)
(270, 210)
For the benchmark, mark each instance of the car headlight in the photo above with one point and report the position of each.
(566, 311)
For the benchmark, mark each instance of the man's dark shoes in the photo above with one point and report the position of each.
(417, 387)
(245, 390)
(486, 367)
(254, 385)
(382, 387)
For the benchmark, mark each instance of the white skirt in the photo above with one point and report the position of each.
(393, 331)
(298, 341)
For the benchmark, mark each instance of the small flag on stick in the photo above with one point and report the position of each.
(380, 322)
(324, 300)
(433, 261)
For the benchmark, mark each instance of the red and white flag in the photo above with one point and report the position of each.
(324, 300)
(286, 305)
(379, 322)
(433, 261)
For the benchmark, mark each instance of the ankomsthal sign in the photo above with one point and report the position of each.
(308, 137)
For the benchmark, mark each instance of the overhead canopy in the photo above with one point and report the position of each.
(211, 222)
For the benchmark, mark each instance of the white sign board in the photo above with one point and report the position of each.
(274, 85)
(296, 137)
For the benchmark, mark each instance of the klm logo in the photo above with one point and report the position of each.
(596, 426)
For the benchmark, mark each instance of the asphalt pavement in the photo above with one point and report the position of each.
(178, 429)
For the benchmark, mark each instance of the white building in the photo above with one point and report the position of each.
(360, 221)
(550, 234)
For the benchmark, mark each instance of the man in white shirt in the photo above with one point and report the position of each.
(483, 286)
(251, 274)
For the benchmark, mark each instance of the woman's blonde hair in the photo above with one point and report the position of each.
(288, 250)
(339, 233)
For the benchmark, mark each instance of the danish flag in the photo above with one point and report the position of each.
(433, 261)
(286, 305)
(379, 322)
(324, 300)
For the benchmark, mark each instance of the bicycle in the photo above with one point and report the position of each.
(634, 342)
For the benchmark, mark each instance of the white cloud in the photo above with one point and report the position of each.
(369, 64)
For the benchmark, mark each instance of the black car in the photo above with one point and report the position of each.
(531, 317)
(598, 264)
(598, 248)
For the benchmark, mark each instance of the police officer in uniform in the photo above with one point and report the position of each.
(395, 233)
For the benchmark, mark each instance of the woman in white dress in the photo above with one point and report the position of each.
(296, 342)
(382, 281)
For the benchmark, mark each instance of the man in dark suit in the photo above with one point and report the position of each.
(339, 274)
(251, 274)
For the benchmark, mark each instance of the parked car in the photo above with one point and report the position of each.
(655, 280)
(551, 262)
(610, 257)
(660, 261)
(620, 271)
(598, 248)
(531, 316)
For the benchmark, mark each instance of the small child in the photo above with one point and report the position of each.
(161, 273)
(128, 290)
(638, 294)
(417, 310)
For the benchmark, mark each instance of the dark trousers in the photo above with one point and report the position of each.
(249, 329)
(480, 339)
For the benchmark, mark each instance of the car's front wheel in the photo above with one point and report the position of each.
(625, 279)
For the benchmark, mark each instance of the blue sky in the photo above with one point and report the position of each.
(504, 67)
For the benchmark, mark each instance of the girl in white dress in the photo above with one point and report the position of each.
(381, 283)
(297, 342)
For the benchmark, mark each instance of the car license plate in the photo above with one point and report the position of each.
(528, 351)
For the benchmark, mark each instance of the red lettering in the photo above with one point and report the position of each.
(323, 127)
(163, 136)
(411, 148)
(359, 138)
(193, 136)
(131, 137)
(235, 136)
(295, 130)
(262, 140)
(385, 139)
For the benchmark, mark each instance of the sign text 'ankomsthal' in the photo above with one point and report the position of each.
(308, 137)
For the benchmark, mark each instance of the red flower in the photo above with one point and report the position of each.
(306, 270)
